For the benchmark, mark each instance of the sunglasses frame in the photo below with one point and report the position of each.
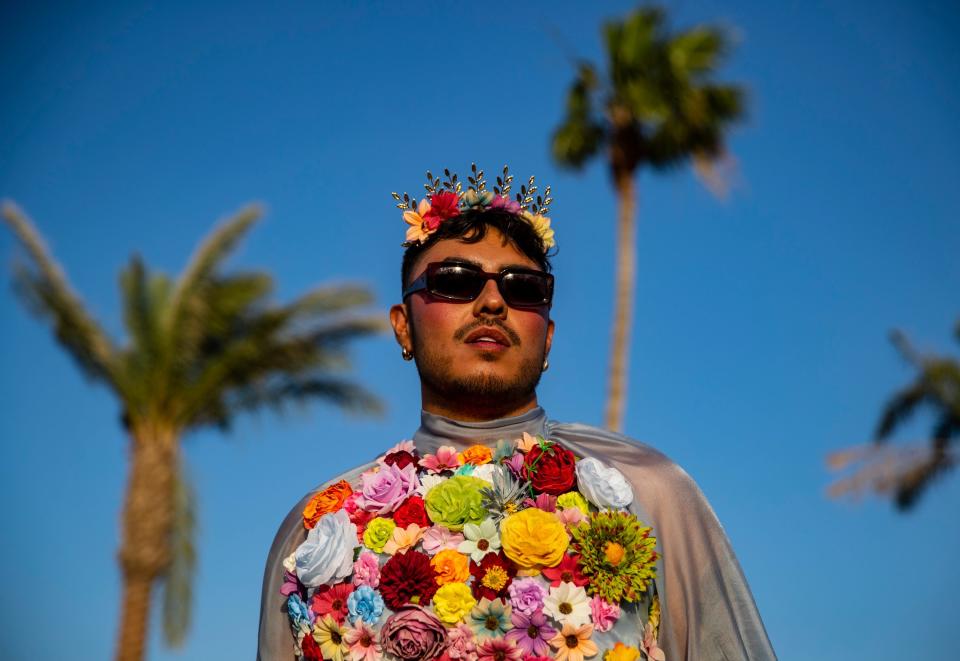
(422, 282)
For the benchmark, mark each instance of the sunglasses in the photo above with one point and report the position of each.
(520, 288)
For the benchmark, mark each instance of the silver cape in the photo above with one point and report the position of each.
(708, 610)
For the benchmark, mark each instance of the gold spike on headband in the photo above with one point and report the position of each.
(446, 199)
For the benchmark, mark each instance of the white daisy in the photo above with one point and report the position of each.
(568, 604)
(480, 540)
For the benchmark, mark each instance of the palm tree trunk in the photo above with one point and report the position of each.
(147, 517)
(623, 301)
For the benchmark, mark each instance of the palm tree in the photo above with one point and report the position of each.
(907, 471)
(200, 350)
(656, 107)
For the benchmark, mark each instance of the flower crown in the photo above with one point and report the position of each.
(446, 199)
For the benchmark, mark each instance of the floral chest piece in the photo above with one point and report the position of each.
(522, 553)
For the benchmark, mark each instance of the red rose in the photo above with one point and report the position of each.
(411, 511)
(402, 459)
(311, 649)
(408, 578)
(443, 205)
(549, 468)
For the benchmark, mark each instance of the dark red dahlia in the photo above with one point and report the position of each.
(408, 578)
(492, 576)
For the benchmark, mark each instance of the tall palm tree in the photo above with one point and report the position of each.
(656, 106)
(200, 349)
(907, 471)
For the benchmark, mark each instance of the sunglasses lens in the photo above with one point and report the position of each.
(456, 282)
(526, 289)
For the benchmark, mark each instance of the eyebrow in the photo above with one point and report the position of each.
(470, 262)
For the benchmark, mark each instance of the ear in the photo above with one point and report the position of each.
(549, 341)
(399, 319)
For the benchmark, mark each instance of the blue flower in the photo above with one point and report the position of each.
(473, 199)
(364, 603)
(300, 615)
(466, 469)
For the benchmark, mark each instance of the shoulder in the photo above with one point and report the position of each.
(645, 463)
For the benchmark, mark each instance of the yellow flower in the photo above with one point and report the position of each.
(452, 602)
(541, 225)
(330, 635)
(378, 533)
(573, 499)
(621, 652)
(534, 539)
(476, 455)
(402, 538)
(451, 566)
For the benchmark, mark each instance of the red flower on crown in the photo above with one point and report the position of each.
(443, 205)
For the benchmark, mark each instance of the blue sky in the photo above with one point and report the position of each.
(761, 335)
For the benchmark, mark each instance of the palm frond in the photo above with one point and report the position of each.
(47, 293)
(187, 307)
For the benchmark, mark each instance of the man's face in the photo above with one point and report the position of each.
(482, 349)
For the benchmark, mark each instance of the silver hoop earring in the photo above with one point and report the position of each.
(407, 354)
(546, 365)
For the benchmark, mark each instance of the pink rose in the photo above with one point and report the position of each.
(463, 643)
(386, 488)
(413, 633)
(366, 570)
(605, 614)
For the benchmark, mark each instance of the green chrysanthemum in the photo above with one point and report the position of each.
(617, 553)
(456, 501)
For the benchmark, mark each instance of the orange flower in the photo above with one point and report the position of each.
(526, 443)
(573, 643)
(324, 502)
(477, 455)
(451, 566)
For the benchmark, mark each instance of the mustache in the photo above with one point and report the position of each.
(488, 323)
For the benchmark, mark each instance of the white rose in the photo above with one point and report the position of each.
(604, 486)
(327, 554)
(485, 472)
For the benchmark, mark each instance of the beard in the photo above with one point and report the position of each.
(480, 390)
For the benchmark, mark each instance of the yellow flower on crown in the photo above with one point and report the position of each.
(541, 225)
(534, 539)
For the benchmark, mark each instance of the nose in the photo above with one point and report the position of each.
(490, 301)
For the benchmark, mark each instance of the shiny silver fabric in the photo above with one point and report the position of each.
(708, 611)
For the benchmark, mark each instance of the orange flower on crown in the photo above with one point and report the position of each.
(324, 502)
(477, 455)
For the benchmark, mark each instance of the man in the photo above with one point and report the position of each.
(475, 316)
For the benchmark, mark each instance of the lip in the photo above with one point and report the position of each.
(487, 338)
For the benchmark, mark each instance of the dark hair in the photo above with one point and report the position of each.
(471, 227)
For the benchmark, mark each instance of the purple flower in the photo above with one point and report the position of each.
(292, 585)
(505, 203)
(515, 464)
(526, 595)
(531, 633)
(386, 488)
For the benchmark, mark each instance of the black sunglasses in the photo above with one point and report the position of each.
(453, 281)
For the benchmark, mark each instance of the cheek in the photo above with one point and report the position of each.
(432, 318)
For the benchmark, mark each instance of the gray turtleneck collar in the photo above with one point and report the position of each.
(436, 430)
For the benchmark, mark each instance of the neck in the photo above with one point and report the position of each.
(476, 409)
